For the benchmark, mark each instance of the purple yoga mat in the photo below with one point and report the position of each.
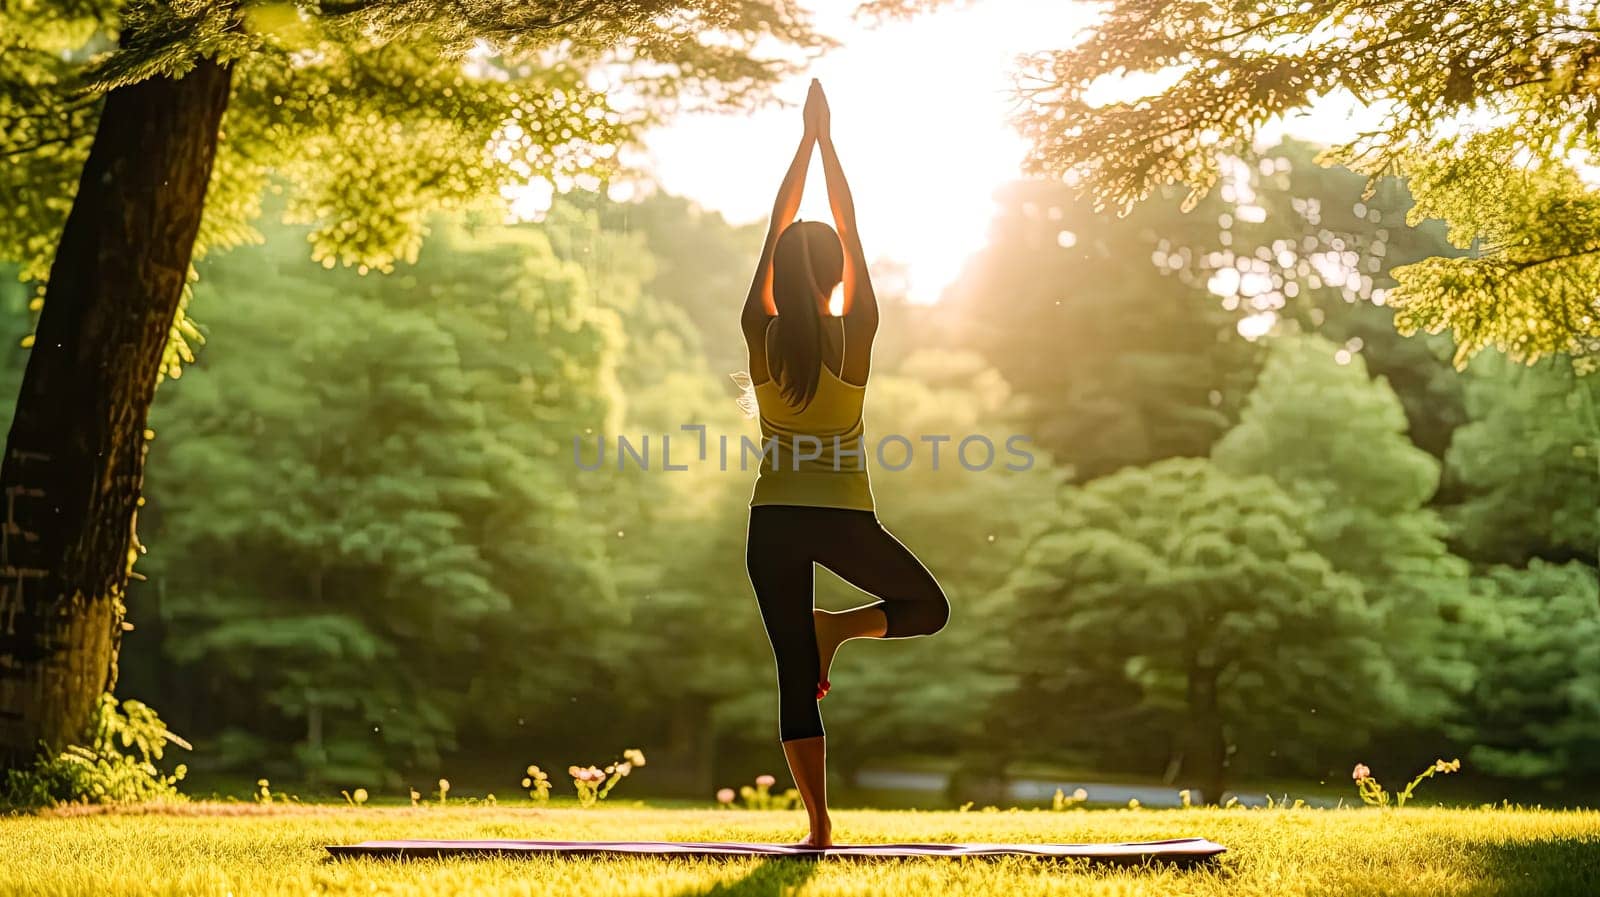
(1177, 850)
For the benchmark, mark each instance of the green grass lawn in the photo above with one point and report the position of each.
(245, 849)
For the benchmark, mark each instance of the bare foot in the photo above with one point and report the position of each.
(828, 640)
(821, 837)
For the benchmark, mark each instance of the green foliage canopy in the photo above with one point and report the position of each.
(1477, 97)
(1533, 712)
(1134, 338)
(355, 495)
(1335, 440)
(1159, 579)
(370, 115)
(1528, 464)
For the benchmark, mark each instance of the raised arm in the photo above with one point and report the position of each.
(860, 302)
(759, 304)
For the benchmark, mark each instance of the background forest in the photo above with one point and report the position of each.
(1265, 535)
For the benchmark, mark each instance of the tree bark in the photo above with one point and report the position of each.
(1205, 755)
(74, 461)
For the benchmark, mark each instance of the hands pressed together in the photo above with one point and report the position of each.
(816, 112)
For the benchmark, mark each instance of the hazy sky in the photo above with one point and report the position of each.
(920, 118)
(920, 121)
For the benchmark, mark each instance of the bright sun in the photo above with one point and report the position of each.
(920, 116)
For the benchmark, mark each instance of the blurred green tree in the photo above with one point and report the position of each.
(688, 643)
(1132, 337)
(691, 660)
(369, 506)
(1335, 439)
(376, 111)
(700, 261)
(1118, 364)
(1535, 710)
(1189, 602)
(1478, 96)
(1297, 243)
(1528, 464)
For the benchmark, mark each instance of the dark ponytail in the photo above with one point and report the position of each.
(806, 264)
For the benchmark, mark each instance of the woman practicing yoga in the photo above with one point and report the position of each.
(813, 503)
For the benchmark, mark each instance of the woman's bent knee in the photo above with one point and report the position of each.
(938, 614)
(917, 616)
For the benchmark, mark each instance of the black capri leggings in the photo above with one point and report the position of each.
(784, 541)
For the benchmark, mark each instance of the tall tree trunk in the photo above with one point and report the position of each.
(74, 462)
(1205, 754)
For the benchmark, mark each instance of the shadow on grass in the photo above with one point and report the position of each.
(1548, 867)
(771, 877)
(776, 876)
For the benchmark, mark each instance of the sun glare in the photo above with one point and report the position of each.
(920, 115)
(836, 301)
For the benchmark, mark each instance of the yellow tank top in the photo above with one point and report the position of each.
(814, 455)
